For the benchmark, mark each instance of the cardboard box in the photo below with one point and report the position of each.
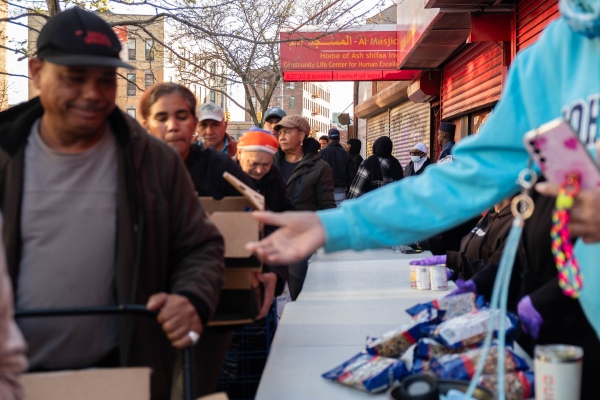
(241, 297)
(90, 384)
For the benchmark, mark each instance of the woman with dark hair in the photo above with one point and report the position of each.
(377, 170)
(169, 114)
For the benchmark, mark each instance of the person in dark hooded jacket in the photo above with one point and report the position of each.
(378, 170)
(309, 179)
(353, 146)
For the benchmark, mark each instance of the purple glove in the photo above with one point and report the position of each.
(464, 287)
(433, 260)
(530, 318)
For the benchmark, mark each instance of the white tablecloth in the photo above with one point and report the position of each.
(347, 297)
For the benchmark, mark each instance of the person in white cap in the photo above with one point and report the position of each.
(212, 128)
(418, 160)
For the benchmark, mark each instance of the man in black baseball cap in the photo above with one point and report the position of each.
(98, 213)
(79, 38)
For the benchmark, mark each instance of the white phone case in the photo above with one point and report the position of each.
(558, 152)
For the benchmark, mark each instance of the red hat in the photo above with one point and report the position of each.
(257, 139)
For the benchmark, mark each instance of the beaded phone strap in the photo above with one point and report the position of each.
(569, 274)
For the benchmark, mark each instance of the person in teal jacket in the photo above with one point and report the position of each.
(556, 77)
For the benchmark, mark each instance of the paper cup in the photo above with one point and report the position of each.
(558, 372)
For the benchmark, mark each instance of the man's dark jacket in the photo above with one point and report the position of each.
(340, 162)
(165, 242)
(310, 188)
(206, 167)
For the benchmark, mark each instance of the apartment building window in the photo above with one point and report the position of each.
(149, 80)
(292, 85)
(130, 84)
(131, 48)
(149, 49)
(292, 102)
(213, 96)
(131, 112)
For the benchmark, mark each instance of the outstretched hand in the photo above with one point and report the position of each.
(433, 260)
(300, 234)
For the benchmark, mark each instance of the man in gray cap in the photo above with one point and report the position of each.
(98, 213)
(445, 138)
(272, 118)
(212, 128)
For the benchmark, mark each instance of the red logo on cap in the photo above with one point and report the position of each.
(98, 38)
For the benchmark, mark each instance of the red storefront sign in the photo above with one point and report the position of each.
(342, 75)
(369, 54)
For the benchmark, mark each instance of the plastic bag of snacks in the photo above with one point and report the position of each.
(421, 367)
(394, 343)
(427, 348)
(454, 306)
(518, 385)
(468, 329)
(462, 366)
(368, 372)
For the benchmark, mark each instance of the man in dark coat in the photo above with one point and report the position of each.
(90, 198)
(341, 164)
(445, 138)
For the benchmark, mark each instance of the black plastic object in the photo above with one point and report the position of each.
(443, 386)
(418, 387)
(123, 309)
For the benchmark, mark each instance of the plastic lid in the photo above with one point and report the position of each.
(558, 353)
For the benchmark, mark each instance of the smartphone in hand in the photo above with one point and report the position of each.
(559, 152)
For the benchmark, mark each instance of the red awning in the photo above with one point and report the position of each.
(434, 43)
(469, 4)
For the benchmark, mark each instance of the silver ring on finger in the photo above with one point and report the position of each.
(194, 337)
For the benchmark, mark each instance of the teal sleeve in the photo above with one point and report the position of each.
(484, 171)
